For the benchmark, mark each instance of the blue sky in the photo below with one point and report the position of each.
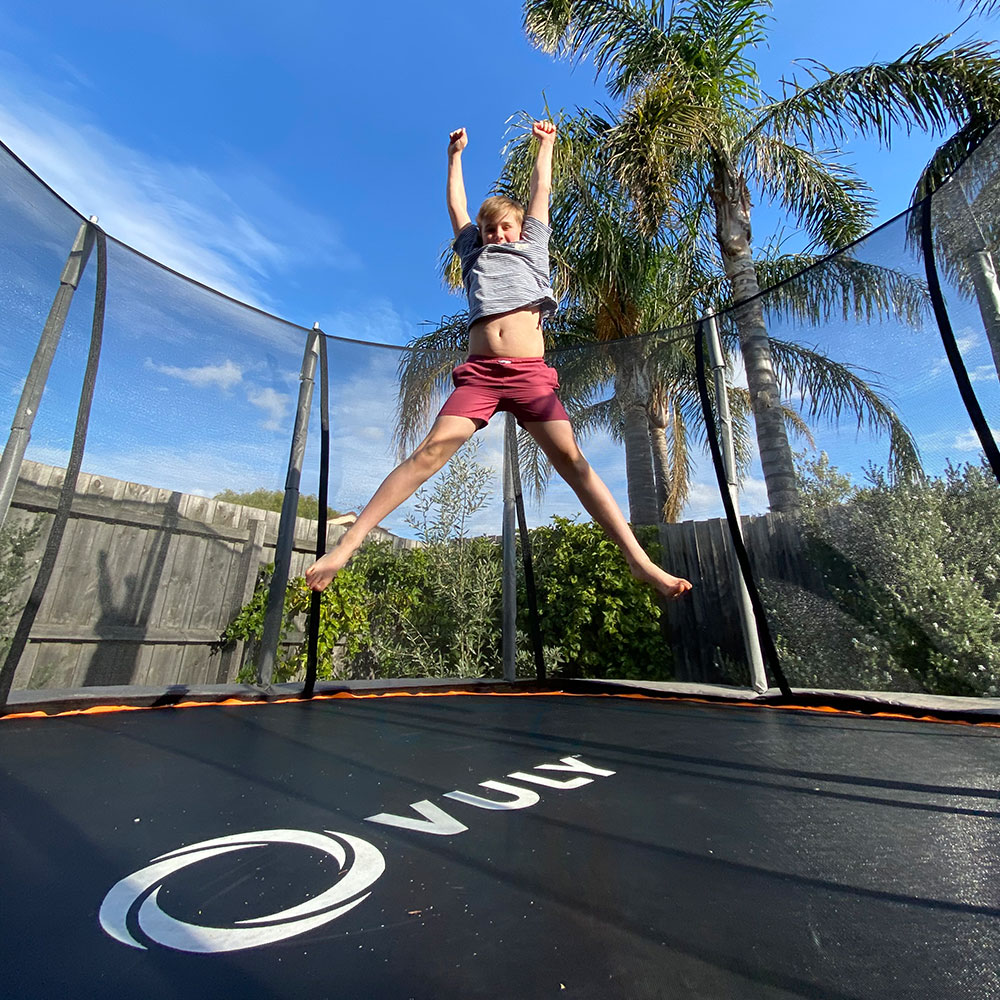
(293, 156)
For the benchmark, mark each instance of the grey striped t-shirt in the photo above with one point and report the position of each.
(500, 277)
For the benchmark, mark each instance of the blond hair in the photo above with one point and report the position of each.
(497, 206)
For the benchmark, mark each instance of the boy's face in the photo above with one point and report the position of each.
(504, 229)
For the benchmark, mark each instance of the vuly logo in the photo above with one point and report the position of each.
(131, 912)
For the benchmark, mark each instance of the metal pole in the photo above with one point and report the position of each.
(509, 555)
(747, 617)
(289, 510)
(34, 386)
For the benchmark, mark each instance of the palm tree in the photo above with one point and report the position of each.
(632, 282)
(983, 6)
(696, 124)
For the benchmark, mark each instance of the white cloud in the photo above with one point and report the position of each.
(224, 375)
(967, 339)
(983, 373)
(276, 406)
(969, 440)
(203, 224)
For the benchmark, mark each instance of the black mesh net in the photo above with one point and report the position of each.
(876, 566)
(883, 577)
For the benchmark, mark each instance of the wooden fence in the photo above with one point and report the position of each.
(705, 628)
(145, 581)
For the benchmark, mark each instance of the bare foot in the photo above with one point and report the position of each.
(319, 575)
(669, 586)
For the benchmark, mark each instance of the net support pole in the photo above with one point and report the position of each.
(34, 386)
(315, 601)
(509, 644)
(747, 618)
(984, 278)
(289, 511)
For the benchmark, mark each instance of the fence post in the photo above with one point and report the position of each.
(747, 618)
(289, 510)
(34, 386)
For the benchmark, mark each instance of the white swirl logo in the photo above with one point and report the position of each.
(141, 890)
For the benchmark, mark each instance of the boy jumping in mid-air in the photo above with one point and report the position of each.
(505, 270)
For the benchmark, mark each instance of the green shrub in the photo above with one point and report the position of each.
(911, 575)
(16, 545)
(435, 610)
(428, 611)
(596, 619)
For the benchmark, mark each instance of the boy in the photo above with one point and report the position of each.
(505, 270)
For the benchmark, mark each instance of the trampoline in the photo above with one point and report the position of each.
(454, 844)
(733, 796)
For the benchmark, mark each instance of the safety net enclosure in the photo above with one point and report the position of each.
(476, 766)
(139, 551)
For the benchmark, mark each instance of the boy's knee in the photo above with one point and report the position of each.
(431, 455)
(570, 464)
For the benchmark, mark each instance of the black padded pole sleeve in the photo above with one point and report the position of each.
(315, 601)
(534, 625)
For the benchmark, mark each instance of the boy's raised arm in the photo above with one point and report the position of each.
(458, 207)
(541, 176)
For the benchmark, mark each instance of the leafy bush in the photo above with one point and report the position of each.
(597, 620)
(912, 581)
(16, 544)
(433, 610)
(265, 499)
(390, 613)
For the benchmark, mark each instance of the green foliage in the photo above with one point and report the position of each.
(911, 584)
(820, 484)
(596, 619)
(264, 499)
(16, 544)
(435, 609)
(431, 610)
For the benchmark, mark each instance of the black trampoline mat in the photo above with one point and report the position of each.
(734, 852)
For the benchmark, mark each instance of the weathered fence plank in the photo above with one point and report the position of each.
(145, 581)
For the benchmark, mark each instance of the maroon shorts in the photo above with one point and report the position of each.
(525, 386)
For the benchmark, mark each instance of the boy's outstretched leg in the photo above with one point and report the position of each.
(556, 439)
(447, 435)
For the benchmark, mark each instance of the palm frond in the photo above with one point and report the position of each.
(983, 7)
(927, 89)
(681, 468)
(624, 38)
(798, 427)
(831, 390)
(534, 467)
(424, 370)
(826, 196)
(808, 289)
(951, 155)
(741, 414)
(713, 37)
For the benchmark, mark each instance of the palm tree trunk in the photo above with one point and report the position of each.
(732, 228)
(661, 467)
(632, 389)
(984, 277)
(639, 468)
